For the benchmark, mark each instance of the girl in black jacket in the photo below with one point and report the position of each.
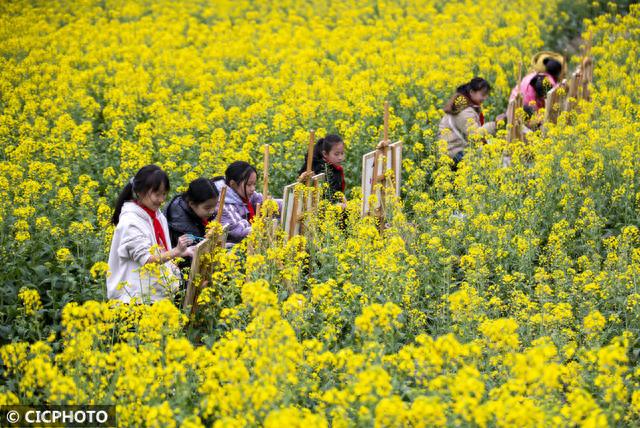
(328, 155)
(190, 212)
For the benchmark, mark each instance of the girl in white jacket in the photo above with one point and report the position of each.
(140, 258)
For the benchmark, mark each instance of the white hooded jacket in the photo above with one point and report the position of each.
(130, 250)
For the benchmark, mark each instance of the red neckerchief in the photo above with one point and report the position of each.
(341, 171)
(205, 222)
(157, 227)
(477, 107)
(252, 212)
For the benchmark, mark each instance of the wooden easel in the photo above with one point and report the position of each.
(221, 198)
(514, 124)
(265, 173)
(382, 150)
(263, 210)
(555, 102)
(575, 84)
(579, 84)
(587, 77)
(202, 263)
(565, 96)
(298, 211)
(310, 147)
(304, 200)
(380, 162)
(385, 154)
(314, 198)
(265, 179)
(586, 65)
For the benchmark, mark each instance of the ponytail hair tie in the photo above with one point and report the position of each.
(133, 190)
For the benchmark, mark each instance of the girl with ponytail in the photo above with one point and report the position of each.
(463, 117)
(140, 239)
(535, 85)
(241, 201)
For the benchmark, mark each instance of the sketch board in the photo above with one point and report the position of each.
(370, 177)
(296, 200)
(201, 270)
(555, 102)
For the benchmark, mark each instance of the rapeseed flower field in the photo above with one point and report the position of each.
(496, 296)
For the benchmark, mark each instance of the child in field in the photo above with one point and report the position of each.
(535, 85)
(140, 225)
(328, 155)
(241, 200)
(463, 117)
(190, 212)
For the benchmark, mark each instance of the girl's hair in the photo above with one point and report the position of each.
(475, 84)
(238, 171)
(148, 178)
(200, 190)
(325, 144)
(540, 83)
(553, 67)
(528, 111)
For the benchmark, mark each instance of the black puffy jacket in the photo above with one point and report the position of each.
(182, 220)
(332, 176)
